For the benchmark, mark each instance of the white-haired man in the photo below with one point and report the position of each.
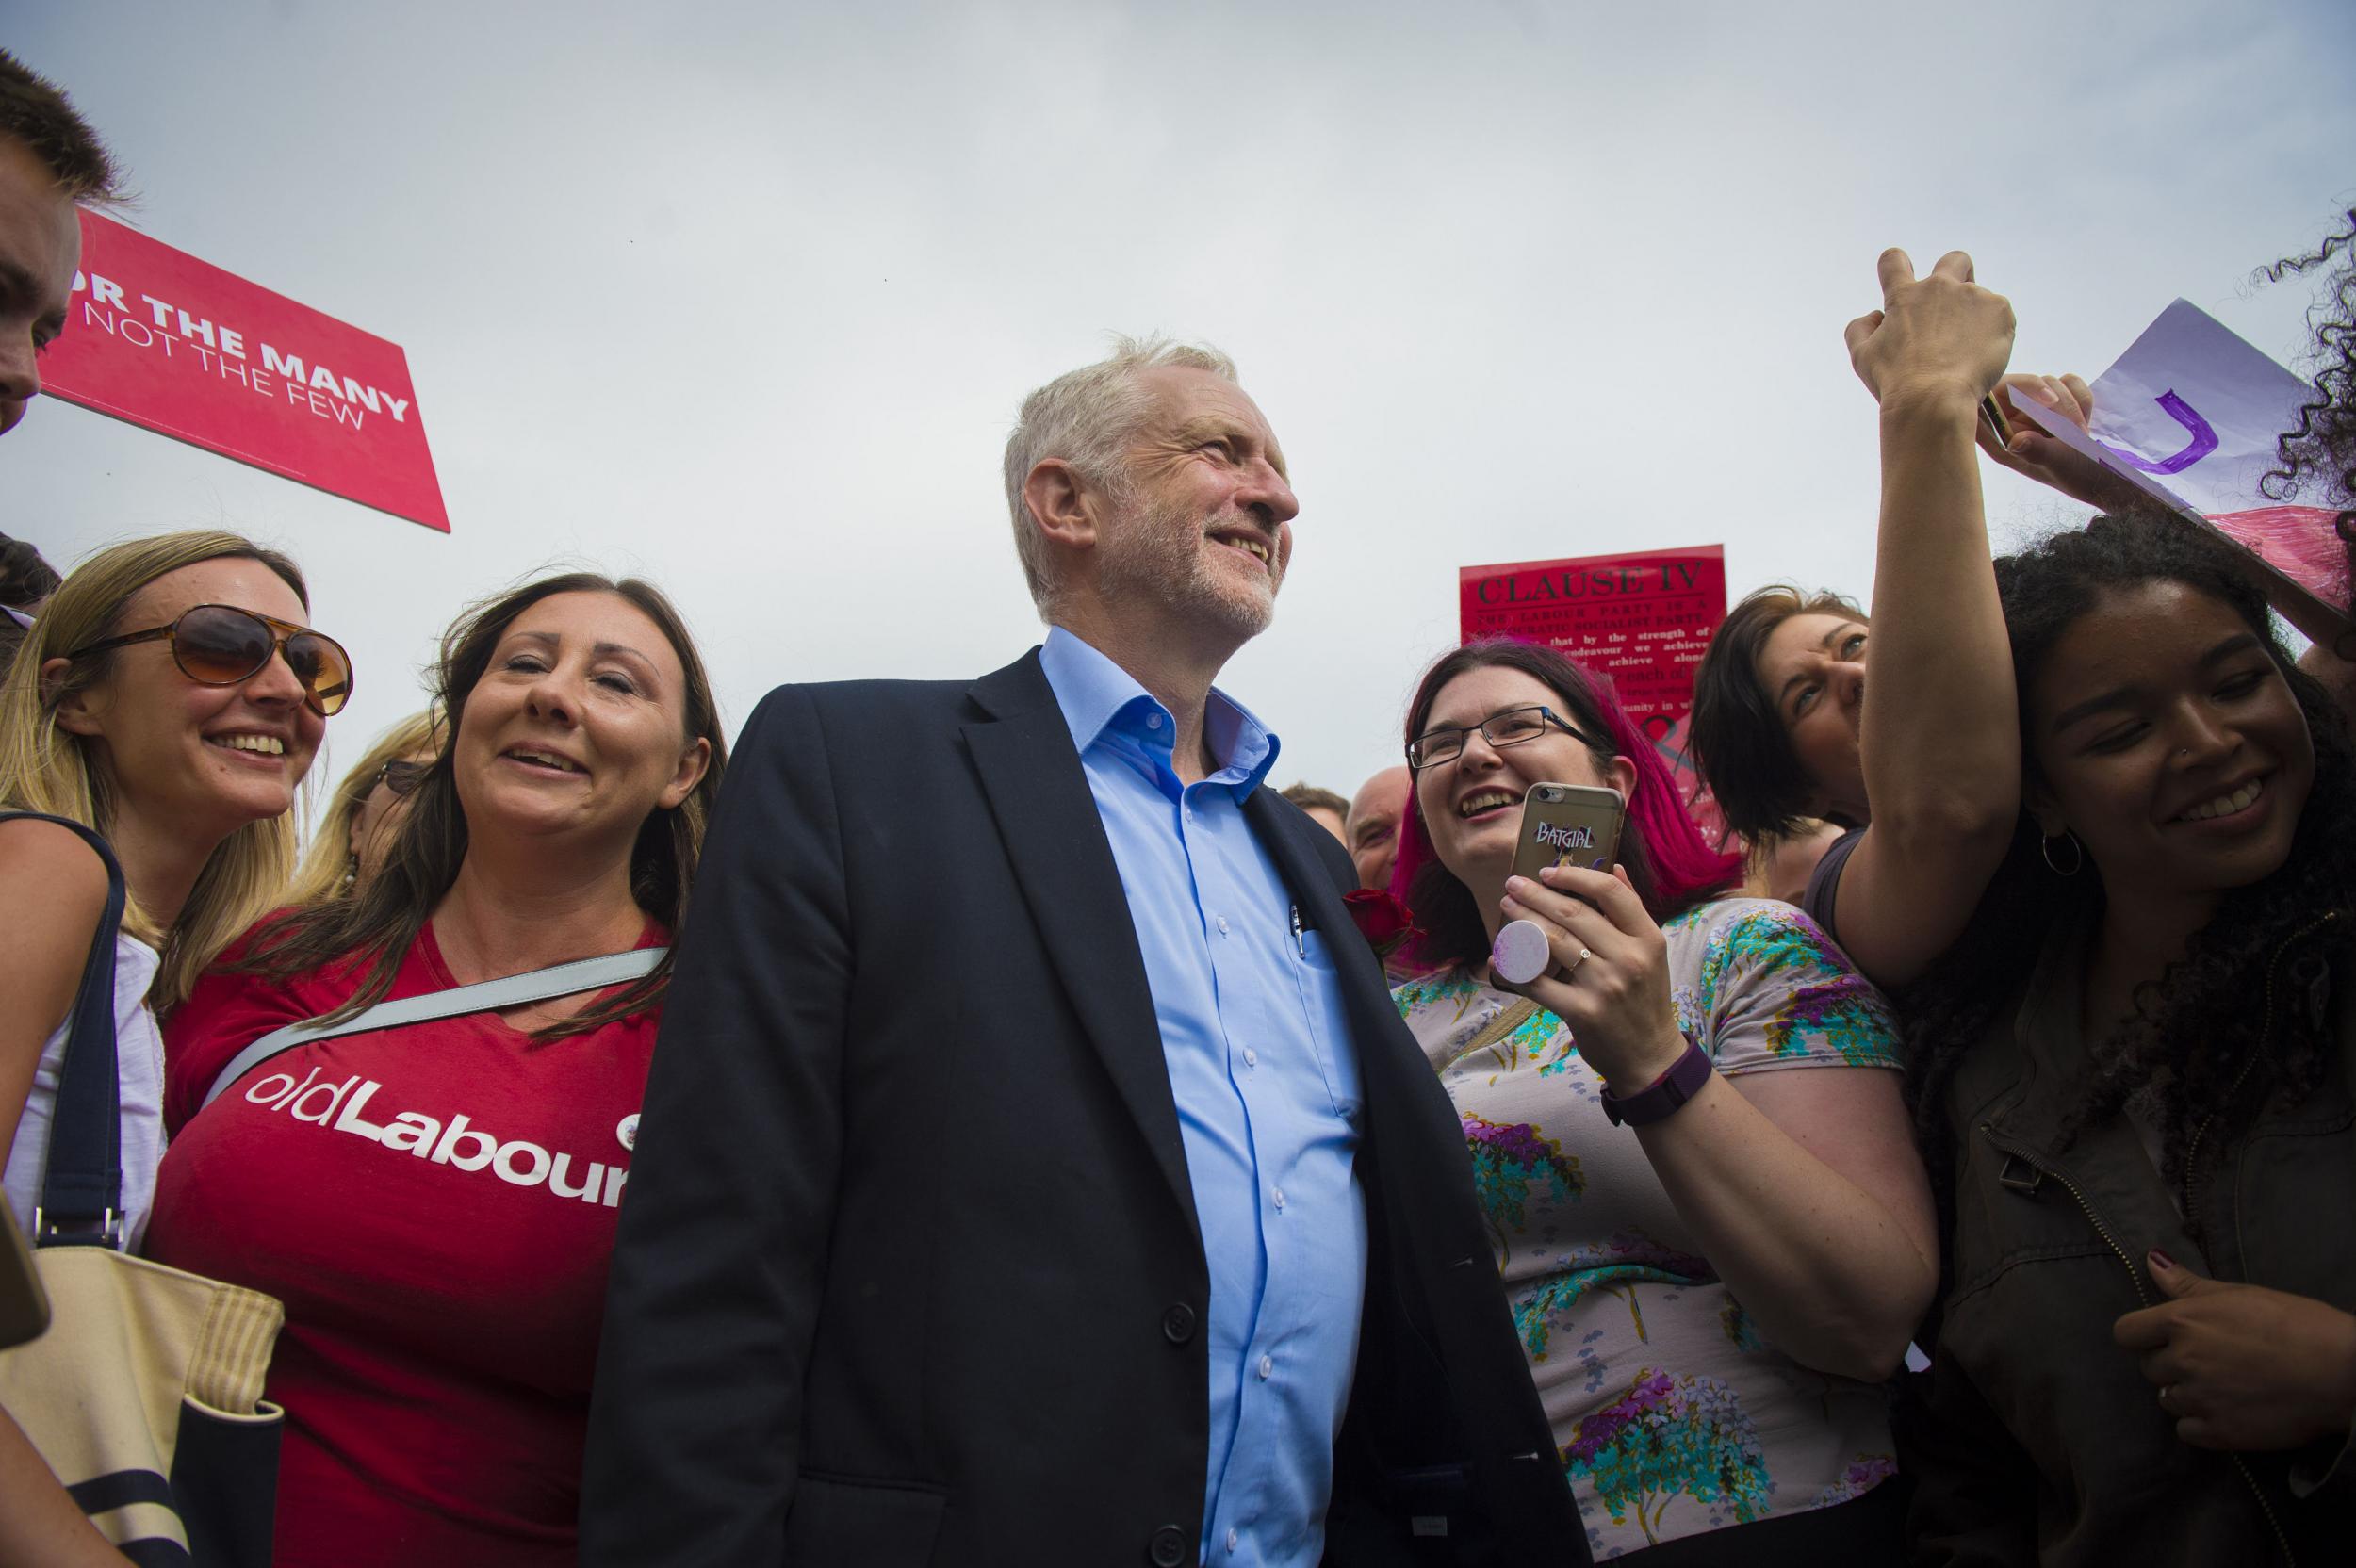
(1031, 1126)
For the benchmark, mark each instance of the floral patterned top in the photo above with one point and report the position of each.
(1674, 1416)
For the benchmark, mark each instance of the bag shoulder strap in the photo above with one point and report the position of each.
(81, 1184)
(483, 996)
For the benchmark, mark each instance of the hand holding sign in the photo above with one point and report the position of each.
(1941, 335)
(2319, 619)
(2187, 419)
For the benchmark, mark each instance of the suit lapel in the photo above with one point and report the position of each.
(1409, 1118)
(1064, 864)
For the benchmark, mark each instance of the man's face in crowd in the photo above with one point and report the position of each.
(1204, 530)
(41, 245)
(1329, 819)
(1371, 835)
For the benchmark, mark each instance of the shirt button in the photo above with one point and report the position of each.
(1251, 1058)
(1153, 720)
(1231, 1540)
(1222, 925)
(1280, 1200)
(1267, 1365)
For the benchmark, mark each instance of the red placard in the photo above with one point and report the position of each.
(1642, 619)
(175, 345)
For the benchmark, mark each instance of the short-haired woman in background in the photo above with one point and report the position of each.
(1710, 1293)
(436, 1203)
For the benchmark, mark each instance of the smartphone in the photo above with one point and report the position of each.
(24, 1305)
(1992, 415)
(1569, 824)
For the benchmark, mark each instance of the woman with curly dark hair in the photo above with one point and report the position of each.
(2133, 1077)
(2315, 461)
(2320, 455)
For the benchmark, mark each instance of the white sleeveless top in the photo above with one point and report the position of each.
(140, 1064)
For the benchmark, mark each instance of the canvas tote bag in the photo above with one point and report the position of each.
(145, 1394)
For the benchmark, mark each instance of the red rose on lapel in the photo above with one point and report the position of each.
(1382, 918)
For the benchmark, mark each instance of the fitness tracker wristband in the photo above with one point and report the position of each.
(1663, 1095)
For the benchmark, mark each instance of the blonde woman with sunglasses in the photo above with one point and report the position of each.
(171, 698)
(355, 833)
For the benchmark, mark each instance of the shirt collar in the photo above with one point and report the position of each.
(1097, 695)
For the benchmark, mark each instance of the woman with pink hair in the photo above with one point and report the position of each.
(1710, 1222)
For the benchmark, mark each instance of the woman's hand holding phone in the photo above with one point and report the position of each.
(1616, 998)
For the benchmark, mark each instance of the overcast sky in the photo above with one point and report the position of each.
(743, 298)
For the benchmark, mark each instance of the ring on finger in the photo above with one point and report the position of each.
(2168, 1393)
(1571, 968)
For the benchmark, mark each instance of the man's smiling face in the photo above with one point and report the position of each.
(1204, 527)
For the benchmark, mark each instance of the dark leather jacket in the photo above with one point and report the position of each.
(2035, 1438)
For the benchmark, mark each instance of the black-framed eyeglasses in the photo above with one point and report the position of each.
(219, 645)
(402, 776)
(1511, 727)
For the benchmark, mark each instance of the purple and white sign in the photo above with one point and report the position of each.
(2190, 415)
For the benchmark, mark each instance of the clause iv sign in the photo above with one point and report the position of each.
(1642, 619)
(159, 339)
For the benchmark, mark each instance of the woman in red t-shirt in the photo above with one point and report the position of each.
(436, 1203)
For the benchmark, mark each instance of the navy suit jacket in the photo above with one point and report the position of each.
(908, 1271)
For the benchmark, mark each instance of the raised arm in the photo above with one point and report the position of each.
(1939, 739)
(695, 1426)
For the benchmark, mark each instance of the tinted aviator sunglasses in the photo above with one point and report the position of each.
(402, 777)
(219, 644)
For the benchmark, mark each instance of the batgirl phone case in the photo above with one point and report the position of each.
(1568, 825)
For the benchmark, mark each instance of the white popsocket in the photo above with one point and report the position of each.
(1521, 953)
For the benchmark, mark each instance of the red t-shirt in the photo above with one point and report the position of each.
(435, 1206)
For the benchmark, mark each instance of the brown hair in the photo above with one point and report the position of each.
(1736, 738)
(36, 112)
(26, 580)
(1307, 795)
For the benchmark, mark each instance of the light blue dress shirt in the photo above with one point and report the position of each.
(1266, 1083)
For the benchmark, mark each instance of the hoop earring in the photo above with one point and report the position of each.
(2077, 854)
